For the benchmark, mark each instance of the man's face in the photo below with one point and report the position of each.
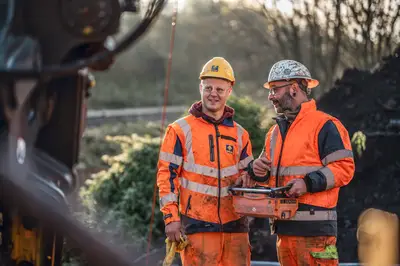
(280, 97)
(214, 93)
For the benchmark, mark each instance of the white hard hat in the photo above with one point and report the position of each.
(290, 69)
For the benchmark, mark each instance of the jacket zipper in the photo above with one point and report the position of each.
(188, 205)
(211, 144)
(217, 134)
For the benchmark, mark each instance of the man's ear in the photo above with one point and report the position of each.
(293, 90)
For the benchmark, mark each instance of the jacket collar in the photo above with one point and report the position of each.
(304, 109)
(226, 119)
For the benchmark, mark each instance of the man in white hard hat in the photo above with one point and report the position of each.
(311, 151)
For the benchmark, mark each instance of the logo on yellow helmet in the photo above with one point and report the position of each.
(214, 68)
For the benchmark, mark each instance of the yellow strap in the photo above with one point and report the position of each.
(173, 247)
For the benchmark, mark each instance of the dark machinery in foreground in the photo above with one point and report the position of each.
(47, 48)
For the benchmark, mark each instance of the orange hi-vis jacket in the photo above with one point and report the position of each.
(316, 147)
(199, 160)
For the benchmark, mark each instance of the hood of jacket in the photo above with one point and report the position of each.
(196, 110)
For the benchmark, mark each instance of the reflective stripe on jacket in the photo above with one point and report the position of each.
(316, 147)
(198, 161)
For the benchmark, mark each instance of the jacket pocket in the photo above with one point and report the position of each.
(228, 138)
(188, 205)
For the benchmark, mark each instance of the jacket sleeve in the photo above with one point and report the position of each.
(168, 169)
(246, 154)
(336, 155)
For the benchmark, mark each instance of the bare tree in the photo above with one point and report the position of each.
(374, 27)
(329, 35)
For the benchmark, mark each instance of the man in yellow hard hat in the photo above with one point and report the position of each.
(201, 156)
(310, 151)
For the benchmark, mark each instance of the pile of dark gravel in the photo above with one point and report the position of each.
(367, 100)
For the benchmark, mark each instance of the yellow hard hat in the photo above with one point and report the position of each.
(218, 67)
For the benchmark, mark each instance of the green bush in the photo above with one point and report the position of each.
(94, 143)
(122, 195)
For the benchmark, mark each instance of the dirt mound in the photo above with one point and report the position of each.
(367, 100)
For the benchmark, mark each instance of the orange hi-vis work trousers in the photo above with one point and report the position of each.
(217, 249)
(307, 251)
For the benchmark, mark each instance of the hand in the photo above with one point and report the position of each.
(245, 180)
(261, 166)
(298, 187)
(173, 231)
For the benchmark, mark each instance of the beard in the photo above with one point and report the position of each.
(284, 104)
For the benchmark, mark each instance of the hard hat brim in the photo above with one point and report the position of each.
(312, 83)
(216, 76)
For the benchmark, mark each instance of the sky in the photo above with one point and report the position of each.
(285, 6)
